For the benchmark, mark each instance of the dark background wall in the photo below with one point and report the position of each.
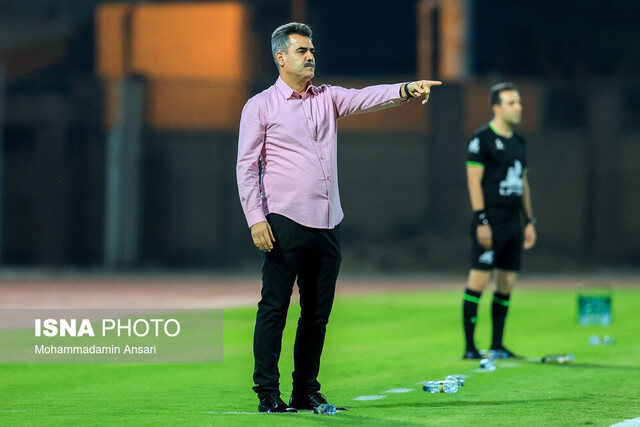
(403, 191)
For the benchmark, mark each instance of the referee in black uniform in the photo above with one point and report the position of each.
(500, 198)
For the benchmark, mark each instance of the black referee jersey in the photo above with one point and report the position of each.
(504, 162)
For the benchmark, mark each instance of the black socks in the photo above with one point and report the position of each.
(499, 310)
(470, 316)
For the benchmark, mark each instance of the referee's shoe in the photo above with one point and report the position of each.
(503, 353)
(472, 354)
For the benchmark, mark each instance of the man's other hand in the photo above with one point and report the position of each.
(262, 236)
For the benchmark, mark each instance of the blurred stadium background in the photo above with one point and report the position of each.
(119, 126)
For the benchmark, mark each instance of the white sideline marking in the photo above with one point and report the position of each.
(509, 365)
(484, 371)
(9, 410)
(399, 390)
(376, 397)
(628, 423)
(233, 413)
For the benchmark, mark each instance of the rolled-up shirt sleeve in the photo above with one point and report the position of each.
(250, 143)
(368, 99)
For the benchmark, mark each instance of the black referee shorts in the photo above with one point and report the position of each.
(506, 229)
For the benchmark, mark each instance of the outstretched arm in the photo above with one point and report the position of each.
(375, 98)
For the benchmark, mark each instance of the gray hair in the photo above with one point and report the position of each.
(280, 38)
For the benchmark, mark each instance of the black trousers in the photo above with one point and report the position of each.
(313, 256)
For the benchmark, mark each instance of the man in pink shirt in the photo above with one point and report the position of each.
(288, 186)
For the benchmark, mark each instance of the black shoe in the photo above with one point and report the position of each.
(472, 354)
(503, 353)
(273, 403)
(310, 401)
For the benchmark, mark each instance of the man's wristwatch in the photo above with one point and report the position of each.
(532, 221)
(481, 218)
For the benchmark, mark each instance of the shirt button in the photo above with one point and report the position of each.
(309, 118)
(321, 157)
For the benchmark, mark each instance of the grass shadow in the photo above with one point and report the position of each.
(598, 366)
(471, 403)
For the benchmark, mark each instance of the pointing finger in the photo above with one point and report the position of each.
(430, 83)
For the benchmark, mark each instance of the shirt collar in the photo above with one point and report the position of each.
(289, 93)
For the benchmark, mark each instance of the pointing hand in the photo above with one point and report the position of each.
(422, 89)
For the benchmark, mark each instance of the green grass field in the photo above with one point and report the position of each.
(375, 343)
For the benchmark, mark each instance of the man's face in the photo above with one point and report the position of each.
(299, 61)
(510, 109)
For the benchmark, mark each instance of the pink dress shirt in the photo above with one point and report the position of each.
(296, 138)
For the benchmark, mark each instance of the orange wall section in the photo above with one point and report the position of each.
(194, 57)
(110, 39)
(184, 104)
(185, 40)
(412, 117)
(196, 40)
(173, 104)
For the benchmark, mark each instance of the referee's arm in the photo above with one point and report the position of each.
(475, 172)
(529, 229)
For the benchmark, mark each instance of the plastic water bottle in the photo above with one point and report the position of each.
(605, 340)
(455, 378)
(487, 364)
(595, 309)
(325, 409)
(559, 359)
(441, 387)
